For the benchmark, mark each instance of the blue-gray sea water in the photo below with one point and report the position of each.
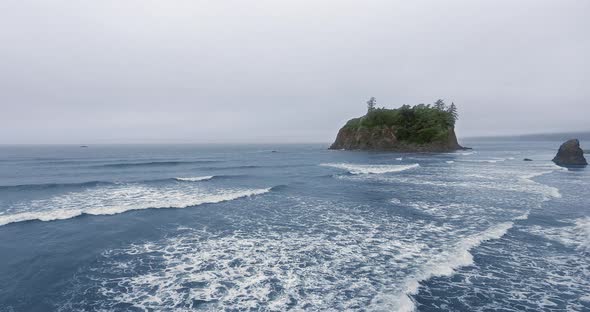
(292, 227)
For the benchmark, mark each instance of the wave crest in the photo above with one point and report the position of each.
(194, 179)
(370, 169)
(444, 264)
(118, 199)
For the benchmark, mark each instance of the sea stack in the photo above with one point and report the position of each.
(408, 129)
(570, 154)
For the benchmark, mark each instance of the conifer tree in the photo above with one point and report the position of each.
(371, 104)
(440, 105)
(453, 112)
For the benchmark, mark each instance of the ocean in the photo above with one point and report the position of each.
(292, 227)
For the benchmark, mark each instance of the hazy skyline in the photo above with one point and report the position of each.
(284, 71)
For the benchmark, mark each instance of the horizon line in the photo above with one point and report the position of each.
(518, 135)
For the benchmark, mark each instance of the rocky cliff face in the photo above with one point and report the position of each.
(384, 139)
(570, 154)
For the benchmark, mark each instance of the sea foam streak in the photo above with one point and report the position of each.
(491, 161)
(390, 254)
(194, 179)
(233, 270)
(370, 169)
(118, 199)
(448, 261)
(552, 192)
(576, 234)
(443, 264)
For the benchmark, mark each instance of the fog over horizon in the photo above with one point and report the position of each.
(88, 72)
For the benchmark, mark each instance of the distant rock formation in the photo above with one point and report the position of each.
(570, 154)
(421, 128)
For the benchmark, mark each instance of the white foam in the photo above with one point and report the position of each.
(576, 234)
(194, 179)
(505, 178)
(523, 217)
(443, 264)
(370, 169)
(395, 201)
(273, 265)
(583, 225)
(491, 161)
(378, 258)
(116, 199)
(49, 215)
(532, 175)
(399, 158)
(450, 161)
(322, 256)
(550, 191)
(242, 270)
(534, 274)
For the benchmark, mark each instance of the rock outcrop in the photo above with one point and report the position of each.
(570, 154)
(384, 139)
(418, 128)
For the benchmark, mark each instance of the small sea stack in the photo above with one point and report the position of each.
(570, 154)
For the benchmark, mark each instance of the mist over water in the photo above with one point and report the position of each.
(300, 228)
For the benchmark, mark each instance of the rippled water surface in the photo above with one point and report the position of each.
(292, 227)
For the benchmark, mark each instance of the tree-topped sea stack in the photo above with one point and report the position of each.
(421, 128)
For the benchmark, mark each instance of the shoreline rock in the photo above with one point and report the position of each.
(570, 154)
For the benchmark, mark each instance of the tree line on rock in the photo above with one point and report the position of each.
(422, 123)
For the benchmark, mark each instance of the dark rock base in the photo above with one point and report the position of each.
(570, 154)
(384, 139)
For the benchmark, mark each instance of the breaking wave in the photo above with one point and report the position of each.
(382, 260)
(370, 169)
(576, 234)
(194, 179)
(117, 199)
(550, 191)
(443, 264)
(490, 161)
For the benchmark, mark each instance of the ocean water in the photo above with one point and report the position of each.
(292, 227)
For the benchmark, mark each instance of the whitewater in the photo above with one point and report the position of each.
(210, 228)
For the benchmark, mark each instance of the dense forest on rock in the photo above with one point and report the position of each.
(420, 124)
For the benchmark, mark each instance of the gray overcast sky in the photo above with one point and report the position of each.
(114, 71)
